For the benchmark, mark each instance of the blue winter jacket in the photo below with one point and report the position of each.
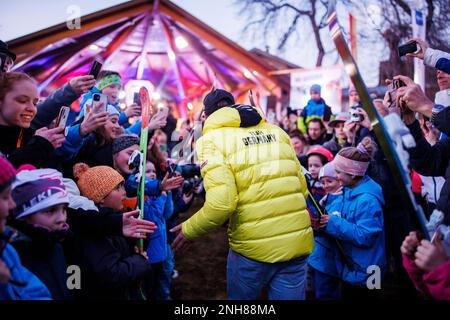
(313, 110)
(72, 144)
(23, 284)
(361, 231)
(437, 59)
(325, 254)
(151, 188)
(158, 210)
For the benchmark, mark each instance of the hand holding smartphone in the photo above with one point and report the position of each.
(137, 99)
(62, 117)
(95, 69)
(98, 98)
(409, 47)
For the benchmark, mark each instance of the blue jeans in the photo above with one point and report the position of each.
(247, 277)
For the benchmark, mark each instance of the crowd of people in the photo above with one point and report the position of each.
(310, 201)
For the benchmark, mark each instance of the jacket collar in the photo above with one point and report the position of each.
(233, 117)
(366, 186)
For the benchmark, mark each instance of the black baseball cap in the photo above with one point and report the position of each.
(4, 49)
(212, 99)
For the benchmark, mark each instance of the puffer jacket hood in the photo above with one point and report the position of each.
(252, 178)
(238, 115)
(367, 186)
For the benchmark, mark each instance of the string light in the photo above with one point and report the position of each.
(181, 42)
(171, 55)
(247, 74)
(190, 106)
(156, 95)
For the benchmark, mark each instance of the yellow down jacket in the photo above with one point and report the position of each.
(252, 177)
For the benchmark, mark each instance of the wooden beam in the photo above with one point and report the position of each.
(200, 49)
(171, 42)
(68, 53)
(112, 48)
(229, 47)
(142, 63)
(188, 66)
(27, 45)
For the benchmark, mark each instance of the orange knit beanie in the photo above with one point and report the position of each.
(97, 182)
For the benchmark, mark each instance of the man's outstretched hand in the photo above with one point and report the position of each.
(181, 242)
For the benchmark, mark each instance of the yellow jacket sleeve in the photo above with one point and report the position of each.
(221, 193)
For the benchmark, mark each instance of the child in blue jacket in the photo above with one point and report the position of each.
(323, 258)
(158, 209)
(360, 225)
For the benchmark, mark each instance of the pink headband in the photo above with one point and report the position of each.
(352, 167)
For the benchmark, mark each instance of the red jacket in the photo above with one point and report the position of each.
(434, 284)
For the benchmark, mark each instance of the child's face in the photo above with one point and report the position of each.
(345, 179)
(298, 145)
(314, 165)
(6, 204)
(121, 160)
(150, 171)
(112, 92)
(111, 129)
(315, 96)
(53, 218)
(114, 200)
(18, 107)
(339, 130)
(330, 185)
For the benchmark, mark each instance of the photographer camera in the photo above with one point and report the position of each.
(357, 127)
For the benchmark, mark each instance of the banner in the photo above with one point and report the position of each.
(329, 78)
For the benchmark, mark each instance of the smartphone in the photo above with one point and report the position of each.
(95, 69)
(137, 98)
(62, 117)
(392, 89)
(409, 47)
(164, 112)
(100, 98)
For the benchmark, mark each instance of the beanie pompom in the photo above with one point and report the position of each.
(79, 169)
(26, 167)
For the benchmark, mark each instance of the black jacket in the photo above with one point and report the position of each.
(33, 149)
(333, 145)
(110, 267)
(90, 153)
(42, 253)
(434, 160)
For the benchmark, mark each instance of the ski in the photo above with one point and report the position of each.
(145, 119)
(381, 131)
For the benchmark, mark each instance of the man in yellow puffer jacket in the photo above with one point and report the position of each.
(253, 179)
